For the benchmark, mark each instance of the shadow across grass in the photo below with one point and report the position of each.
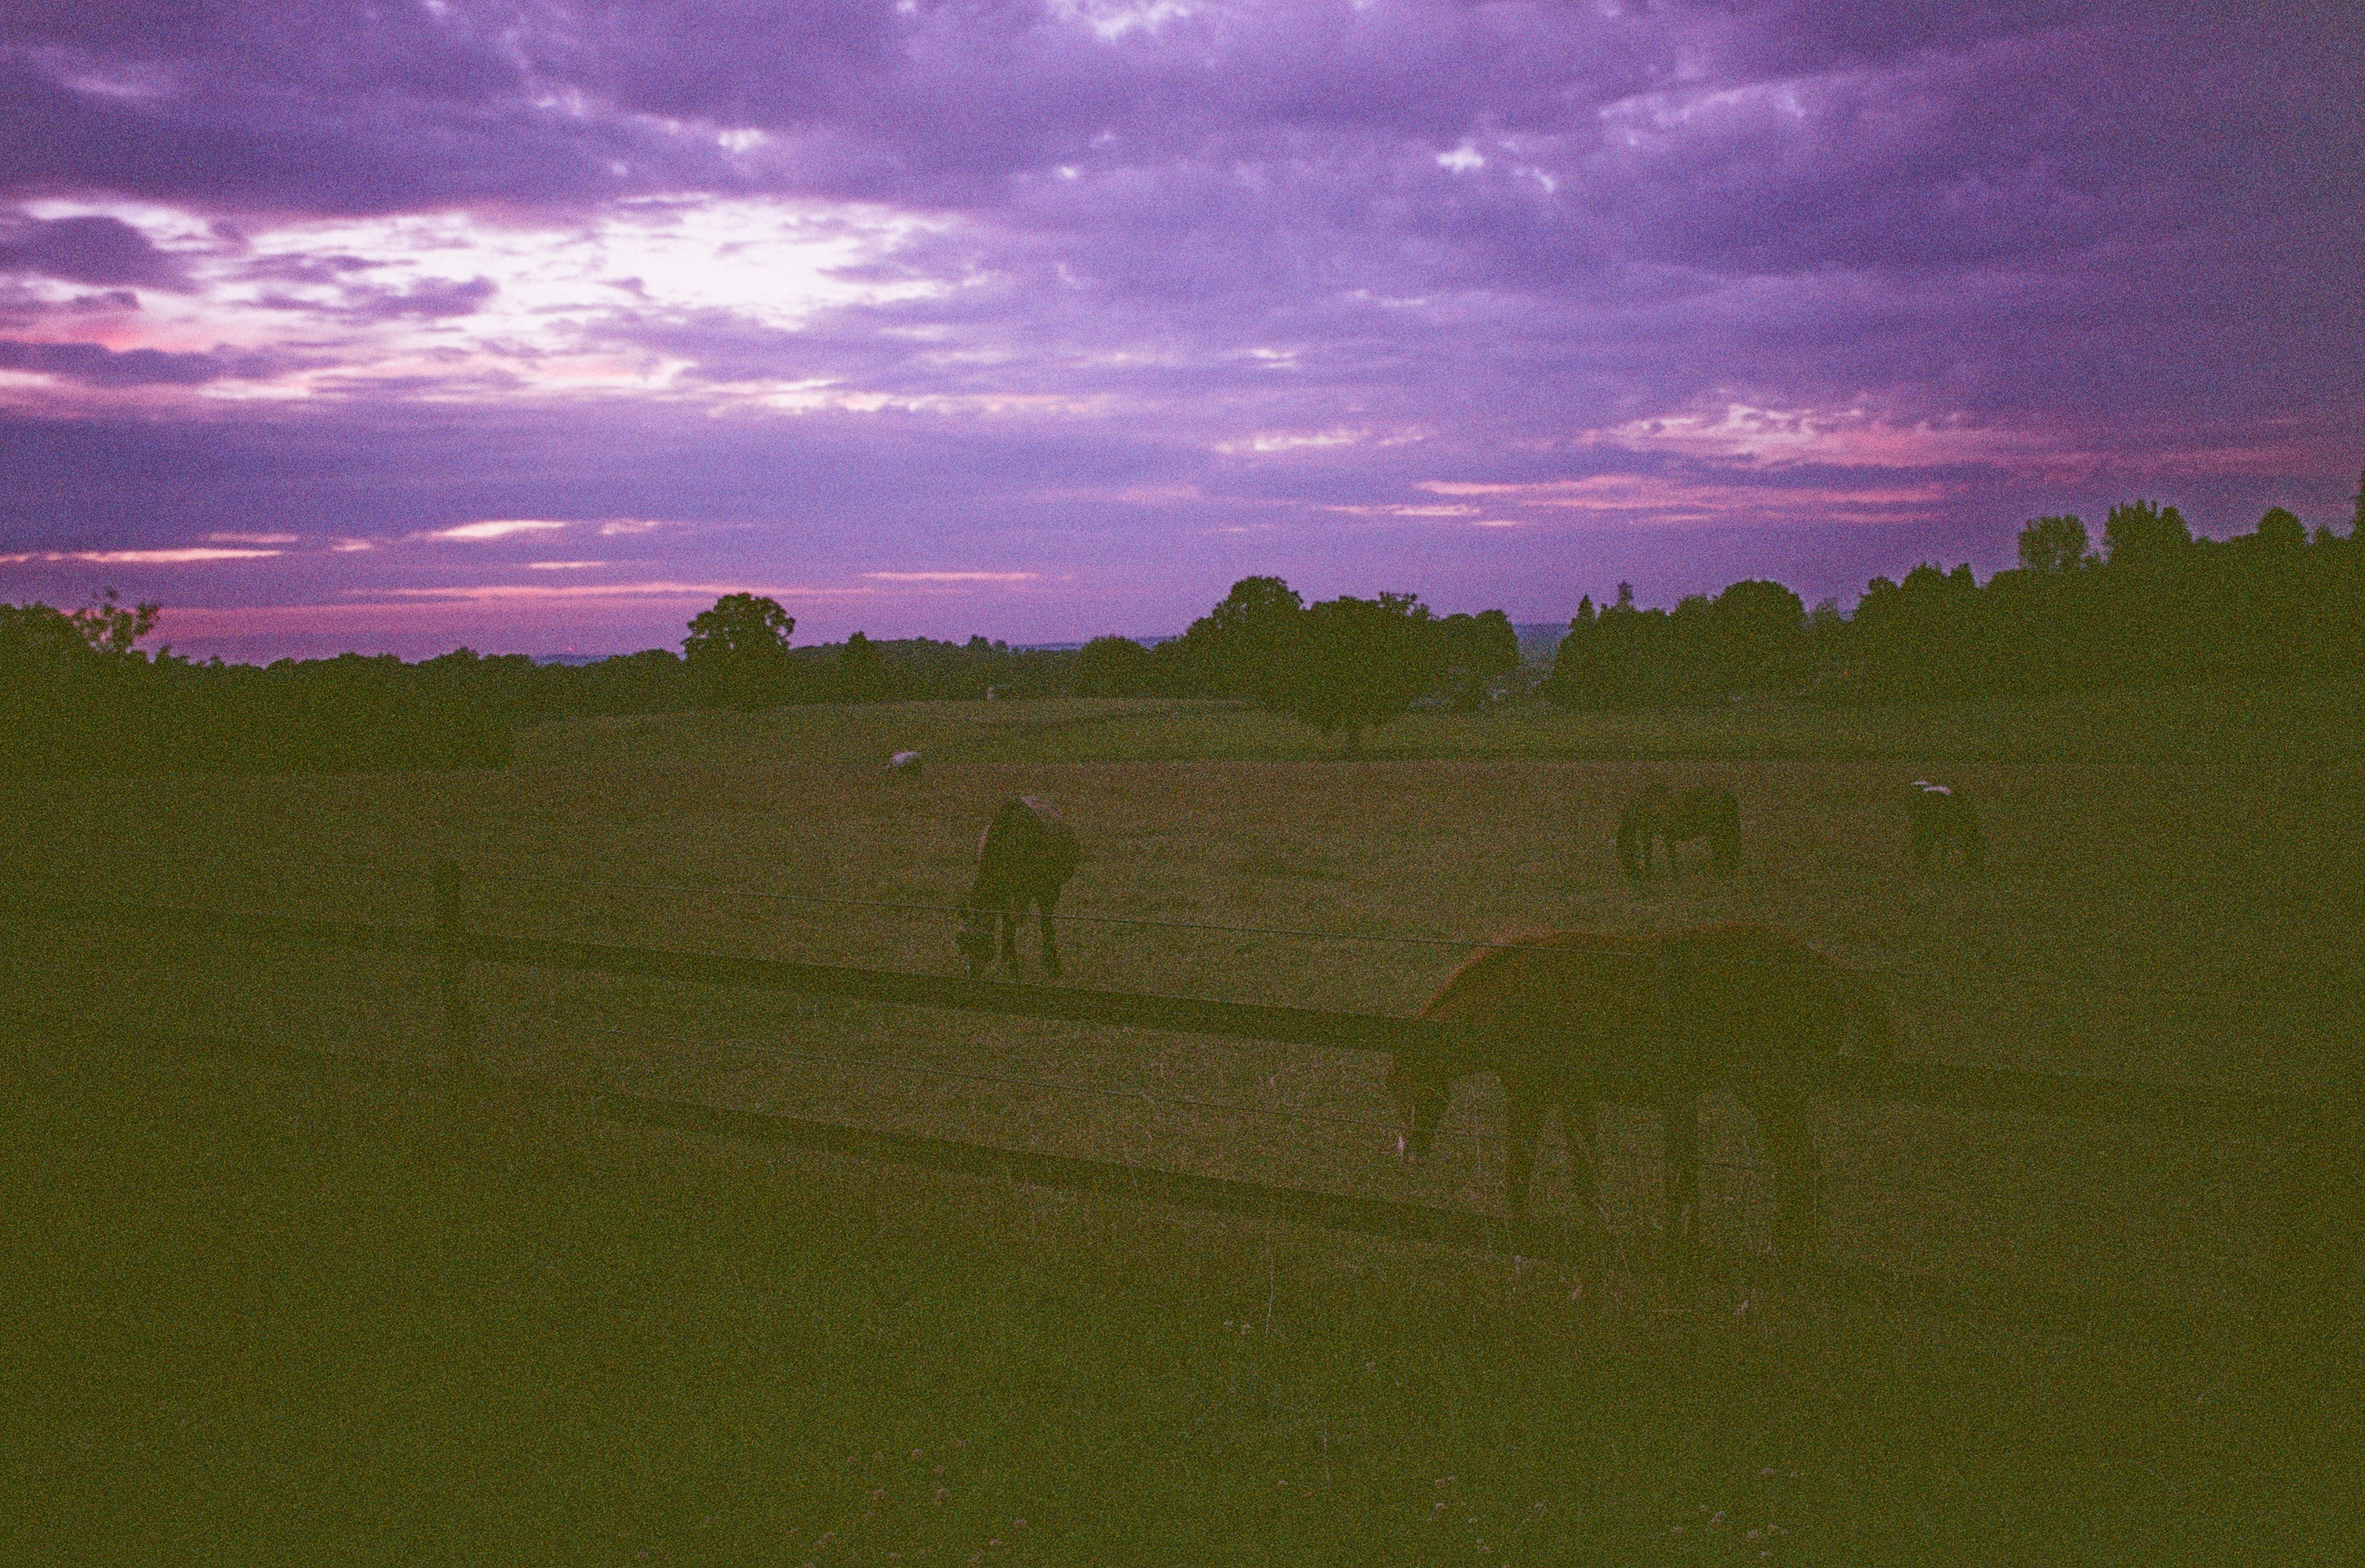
(260, 1316)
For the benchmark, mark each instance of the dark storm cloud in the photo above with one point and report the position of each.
(1298, 139)
(341, 107)
(97, 367)
(93, 250)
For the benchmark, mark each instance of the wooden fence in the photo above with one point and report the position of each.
(2315, 1252)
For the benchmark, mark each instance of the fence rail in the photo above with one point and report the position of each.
(2318, 1247)
(2180, 1106)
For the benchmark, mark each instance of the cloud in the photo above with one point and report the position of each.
(652, 589)
(141, 557)
(953, 576)
(431, 298)
(1202, 289)
(476, 532)
(92, 249)
(98, 366)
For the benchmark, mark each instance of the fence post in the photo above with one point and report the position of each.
(451, 964)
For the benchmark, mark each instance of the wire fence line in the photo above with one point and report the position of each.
(453, 949)
(1546, 1234)
(1622, 1077)
(1754, 1168)
(19, 962)
(676, 1041)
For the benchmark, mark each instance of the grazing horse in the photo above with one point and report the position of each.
(1708, 811)
(1025, 856)
(1738, 1006)
(1940, 818)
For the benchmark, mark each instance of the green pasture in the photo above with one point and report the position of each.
(2186, 725)
(263, 1319)
(266, 1326)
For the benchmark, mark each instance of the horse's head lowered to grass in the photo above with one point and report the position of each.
(1023, 858)
(1734, 1005)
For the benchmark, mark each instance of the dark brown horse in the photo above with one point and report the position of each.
(1023, 858)
(1737, 1006)
(1659, 814)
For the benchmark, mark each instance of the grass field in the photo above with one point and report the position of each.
(258, 1319)
(2173, 895)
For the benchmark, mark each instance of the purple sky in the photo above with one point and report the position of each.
(537, 325)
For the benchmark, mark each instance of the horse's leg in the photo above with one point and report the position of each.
(1005, 922)
(1050, 943)
(1798, 1178)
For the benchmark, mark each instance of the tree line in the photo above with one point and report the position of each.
(78, 696)
(2154, 605)
(2149, 604)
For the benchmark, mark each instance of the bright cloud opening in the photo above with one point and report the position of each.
(472, 532)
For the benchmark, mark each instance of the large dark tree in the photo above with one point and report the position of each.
(1757, 636)
(1246, 646)
(1114, 667)
(1361, 661)
(2054, 545)
(104, 629)
(2280, 530)
(1483, 645)
(2138, 533)
(738, 651)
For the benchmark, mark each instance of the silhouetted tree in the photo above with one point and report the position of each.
(2138, 533)
(1476, 649)
(1246, 647)
(738, 651)
(104, 629)
(1756, 636)
(2278, 529)
(1112, 666)
(1620, 657)
(1361, 662)
(1483, 644)
(2054, 545)
(862, 676)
